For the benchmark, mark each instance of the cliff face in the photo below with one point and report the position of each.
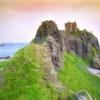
(48, 32)
(32, 74)
(82, 43)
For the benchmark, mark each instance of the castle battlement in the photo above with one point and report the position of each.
(70, 26)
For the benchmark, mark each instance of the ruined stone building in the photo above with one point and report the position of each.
(71, 26)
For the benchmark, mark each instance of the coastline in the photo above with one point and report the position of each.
(4, 58)
(7, 50)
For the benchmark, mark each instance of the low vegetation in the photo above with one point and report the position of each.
(24, 77)
(75, 77)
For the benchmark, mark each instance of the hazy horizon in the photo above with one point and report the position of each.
(20, 19)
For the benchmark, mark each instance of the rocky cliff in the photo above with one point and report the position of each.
(36, 73)
(82, 43)
(48, 33)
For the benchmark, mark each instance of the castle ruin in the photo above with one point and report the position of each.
(71, 26)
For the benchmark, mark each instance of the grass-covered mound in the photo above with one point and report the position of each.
(24, 76)
(75, 77)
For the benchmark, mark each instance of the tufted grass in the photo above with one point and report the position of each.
(24, 77)
(75, 77)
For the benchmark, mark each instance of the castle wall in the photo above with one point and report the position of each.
(70, 27)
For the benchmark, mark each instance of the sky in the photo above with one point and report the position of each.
(20, 19)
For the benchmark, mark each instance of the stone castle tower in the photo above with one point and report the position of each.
(70, 26)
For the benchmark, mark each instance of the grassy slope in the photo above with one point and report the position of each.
(75, 77)
(25, 73)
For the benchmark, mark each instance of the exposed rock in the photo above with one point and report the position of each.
(47, 28)
(97, 62)
(83, 95)
(74, 44)
(82, 43)
(49, 36)
(48, 32)
(94, 71)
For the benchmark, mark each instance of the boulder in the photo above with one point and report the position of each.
(83, 95)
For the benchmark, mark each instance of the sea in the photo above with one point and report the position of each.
(8, 50)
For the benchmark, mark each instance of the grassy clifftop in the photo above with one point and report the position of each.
(51, 67)
(75, 77)
(24, 76)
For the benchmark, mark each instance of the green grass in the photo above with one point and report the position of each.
(75, 77)
(24, 77)
(3, 63)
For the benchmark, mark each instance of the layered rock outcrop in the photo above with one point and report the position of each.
(49, 36)
(82, 43)
(48, 32)
(97, 62)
